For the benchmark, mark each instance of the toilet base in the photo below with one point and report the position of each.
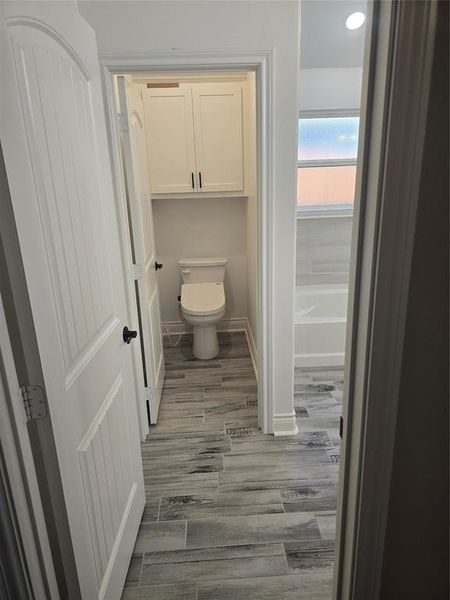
(206, 344)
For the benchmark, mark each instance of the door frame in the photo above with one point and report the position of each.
(20, 479)
(396, 86)
(260, 61)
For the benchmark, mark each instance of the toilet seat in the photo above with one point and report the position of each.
(202, 298)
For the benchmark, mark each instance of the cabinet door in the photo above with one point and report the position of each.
(170, 139)
(218, 136)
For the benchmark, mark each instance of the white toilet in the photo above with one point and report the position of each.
(203, 301)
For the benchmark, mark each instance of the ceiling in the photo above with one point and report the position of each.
(325, 41)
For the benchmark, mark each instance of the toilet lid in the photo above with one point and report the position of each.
(202, 298)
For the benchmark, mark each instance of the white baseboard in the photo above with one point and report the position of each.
(177, 327)
(252, 347)
(319, 360)
(285, 424)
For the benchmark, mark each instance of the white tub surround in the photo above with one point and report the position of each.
(323, 247)
(320, 325)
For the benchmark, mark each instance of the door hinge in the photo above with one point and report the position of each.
(34, 402)
(122, 122)
(148, 394)
(138, 271)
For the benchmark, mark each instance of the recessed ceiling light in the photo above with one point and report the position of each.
(355, 20)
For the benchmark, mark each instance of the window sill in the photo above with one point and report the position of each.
(325, 213)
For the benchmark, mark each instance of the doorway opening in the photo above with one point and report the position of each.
(188, 152)
(330, 103)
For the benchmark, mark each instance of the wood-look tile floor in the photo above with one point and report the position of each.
(231, 513)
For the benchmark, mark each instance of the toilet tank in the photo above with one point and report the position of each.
(202, 270)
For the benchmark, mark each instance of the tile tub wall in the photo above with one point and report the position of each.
(323, 250)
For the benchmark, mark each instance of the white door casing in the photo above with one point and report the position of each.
(218, 118)
(143, 239)
(170, 139)
(54, 141)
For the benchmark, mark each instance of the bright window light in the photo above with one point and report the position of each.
(355, 20)
(327, 153)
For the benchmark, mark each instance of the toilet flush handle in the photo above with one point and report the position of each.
(158, 265)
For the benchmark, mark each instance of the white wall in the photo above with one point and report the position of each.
(201, 228)
(152, 27)
(327, 89)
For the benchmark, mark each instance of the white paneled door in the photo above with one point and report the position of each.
(53, 135)
(143, 239)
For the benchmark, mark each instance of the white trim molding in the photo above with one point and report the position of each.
(182, 327)
(252, 347)
(338, 212)
(285, 424)
(330, 359)
(261, 61)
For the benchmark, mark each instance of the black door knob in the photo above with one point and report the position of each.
(128, 334)
(158, 265)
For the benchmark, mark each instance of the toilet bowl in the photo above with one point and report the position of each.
(203, 302)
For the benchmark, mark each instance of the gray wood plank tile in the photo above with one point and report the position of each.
(207, 499)
(234, 414)
(230, 392)
(206, 504)
(161, 536)
(244, 427)
(309, 439)
(269, 495)
(253, 529)
(181, 409)
(310, 497)
(163, 484)
(151, 510)
(179, 464)
(327, 524)
(207, 570)
(297, 457)
(190, 425)
(275, 478)
(182, 393)
(178, 591)
(215, 554)
(315, 585)
(204, 512)
(134, 570)
(168, 445)
(310, 554)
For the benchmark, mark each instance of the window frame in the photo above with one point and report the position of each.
(338, 210)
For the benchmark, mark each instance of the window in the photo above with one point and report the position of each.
(327, 148)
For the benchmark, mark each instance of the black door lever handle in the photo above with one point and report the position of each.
(128, 335)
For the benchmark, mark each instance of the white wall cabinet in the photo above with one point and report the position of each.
(195, 138)
(169, 129)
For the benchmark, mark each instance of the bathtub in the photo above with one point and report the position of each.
(320, 325)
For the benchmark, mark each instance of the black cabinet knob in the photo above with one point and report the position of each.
(158, 265)
(128, 334)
